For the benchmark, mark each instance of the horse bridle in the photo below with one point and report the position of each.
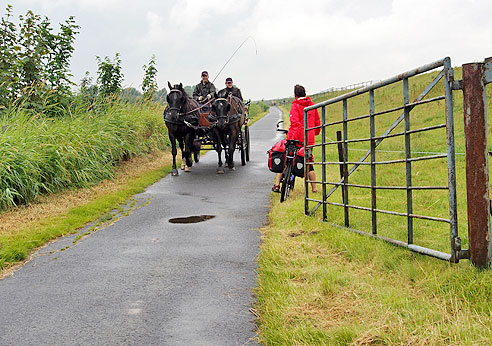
(175, 108)
(227, 114)
(191, 111)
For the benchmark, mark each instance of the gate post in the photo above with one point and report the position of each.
(477, 170)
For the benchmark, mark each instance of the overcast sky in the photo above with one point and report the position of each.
(316, 43)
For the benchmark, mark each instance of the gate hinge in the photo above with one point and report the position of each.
(457, 85)
(464, 254)
(456, 243)
(457, 253)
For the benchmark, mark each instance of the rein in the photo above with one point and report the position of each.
(236, 109)
(191, 111)
(200, 107)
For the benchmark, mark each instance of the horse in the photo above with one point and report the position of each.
(228, 111)
(180, 115)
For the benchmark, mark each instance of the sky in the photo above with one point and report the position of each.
(316, 43)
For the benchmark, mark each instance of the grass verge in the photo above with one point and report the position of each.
(28, 227)
(322, 285)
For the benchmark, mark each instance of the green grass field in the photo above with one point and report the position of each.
(322, 285)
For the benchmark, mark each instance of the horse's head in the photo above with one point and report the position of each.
(176, 100)
(221, 108)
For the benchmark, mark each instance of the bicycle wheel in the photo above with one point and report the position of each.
(292, 181)
(284, 189)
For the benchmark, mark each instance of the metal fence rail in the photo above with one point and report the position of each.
(446, 74)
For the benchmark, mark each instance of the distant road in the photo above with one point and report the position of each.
(146, 281)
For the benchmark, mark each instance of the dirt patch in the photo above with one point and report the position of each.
(329, 311)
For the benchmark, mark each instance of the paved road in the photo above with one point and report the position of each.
(146, 281)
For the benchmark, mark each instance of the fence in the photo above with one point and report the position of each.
(474, 79)
(347, 87)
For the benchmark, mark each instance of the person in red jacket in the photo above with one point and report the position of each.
(296, 129)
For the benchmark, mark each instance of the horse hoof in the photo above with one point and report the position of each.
(174, 172)
(220, 170)
(187, 169)
(183, 167)
(232, 168)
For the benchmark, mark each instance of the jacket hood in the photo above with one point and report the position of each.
(303, 101)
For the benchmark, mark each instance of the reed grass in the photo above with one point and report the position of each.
(41, 155)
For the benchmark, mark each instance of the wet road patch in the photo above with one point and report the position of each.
(191, 219)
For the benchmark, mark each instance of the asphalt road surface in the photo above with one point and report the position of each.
(143, 280)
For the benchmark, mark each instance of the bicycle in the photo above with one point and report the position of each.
(287, 181)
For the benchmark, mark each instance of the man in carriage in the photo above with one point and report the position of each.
(231, 88)
(205, 90)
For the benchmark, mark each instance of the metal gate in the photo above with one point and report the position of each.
(343, 141)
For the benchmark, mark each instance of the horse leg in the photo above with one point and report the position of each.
(181, 146)
(224, 145)
(232, 146)
(196, 150)
(174, 151)
(218, 148)
(188, 144)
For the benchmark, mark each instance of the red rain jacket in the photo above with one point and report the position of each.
(296, 129)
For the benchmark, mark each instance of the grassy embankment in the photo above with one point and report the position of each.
(321, 285)
(257, 110)
(59, 174)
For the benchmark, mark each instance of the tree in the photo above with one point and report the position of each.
(189, 90)
(8, 59)
(131, 94)
(109, 75)
(57, 54)
(34, 61)
(149, 84)
(31, 50)
(88, 92)
(160, 96)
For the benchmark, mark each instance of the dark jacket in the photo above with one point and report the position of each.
(203, 90)
(234, 90)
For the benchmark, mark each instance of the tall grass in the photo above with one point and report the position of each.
(43, 155)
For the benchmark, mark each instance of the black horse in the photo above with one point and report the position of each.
(228, 111)
(181, 115)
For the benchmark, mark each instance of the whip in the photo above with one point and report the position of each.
(256, 51)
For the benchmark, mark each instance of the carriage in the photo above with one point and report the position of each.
(220, 123)
(205, 140)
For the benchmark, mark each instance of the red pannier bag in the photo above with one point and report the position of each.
(276, 157)
(298, 165)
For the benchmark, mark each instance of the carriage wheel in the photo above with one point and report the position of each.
(246, 139)
(243, 150)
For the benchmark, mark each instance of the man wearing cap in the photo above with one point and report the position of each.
(205, 89)
(230, 88)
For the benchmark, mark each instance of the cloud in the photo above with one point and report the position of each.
(53, 5)
(191, 15)
(320, 43)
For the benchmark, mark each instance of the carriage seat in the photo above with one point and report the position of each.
(204, 121)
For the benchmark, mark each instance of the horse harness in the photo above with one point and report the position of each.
(234, 117)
